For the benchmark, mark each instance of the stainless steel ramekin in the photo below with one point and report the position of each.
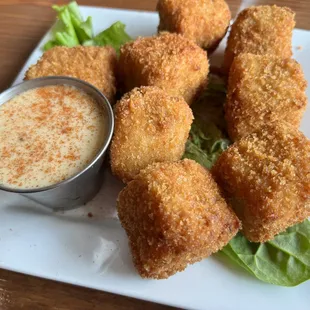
(83, 186)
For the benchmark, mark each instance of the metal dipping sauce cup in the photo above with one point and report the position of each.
(82, 187)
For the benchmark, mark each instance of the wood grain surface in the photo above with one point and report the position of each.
(22, 24)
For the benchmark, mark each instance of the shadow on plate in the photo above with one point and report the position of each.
(103, 245)
(102, 206)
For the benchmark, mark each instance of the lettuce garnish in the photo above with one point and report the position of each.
(284, 261)
(208, 138)
(72, 30)
(114, 36)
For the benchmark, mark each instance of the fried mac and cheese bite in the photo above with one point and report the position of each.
(266, 178)
(169, 61)
(95, 65)
(261, 30)
(174, 215)
(203, 21)
(263, 89)
(150, 126)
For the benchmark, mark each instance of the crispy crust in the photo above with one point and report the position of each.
(150, 126)
(261, 30)
(263, 89)
(95, 65)
(169, 61)
(203, 21)
(174, 215)
(266, 177)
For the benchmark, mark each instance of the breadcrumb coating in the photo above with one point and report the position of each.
(150, 126)
(169, 61)
(203, 21)
(261, 30)
(95, 65)
(266, 177)
(174, 215)
(263, 89)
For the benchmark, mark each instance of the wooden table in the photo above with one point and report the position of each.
(22, 24)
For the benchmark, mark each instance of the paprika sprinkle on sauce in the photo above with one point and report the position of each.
(47, 135)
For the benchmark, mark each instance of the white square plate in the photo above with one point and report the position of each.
(93, 252)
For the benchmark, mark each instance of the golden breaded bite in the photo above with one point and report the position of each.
(203, 21)
(169, 61)
(266, 177)
(263, 89)
(174, 215)
(261, 30)
(150, 126)
(95, 65)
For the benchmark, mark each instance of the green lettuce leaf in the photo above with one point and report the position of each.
(208, 138)
(283, 261)
(71, 30)
(64, 32)
(114, 36)
(73, 9)
(83, 29)
(203, 146)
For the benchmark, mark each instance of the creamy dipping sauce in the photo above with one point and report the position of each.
(47, 135)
